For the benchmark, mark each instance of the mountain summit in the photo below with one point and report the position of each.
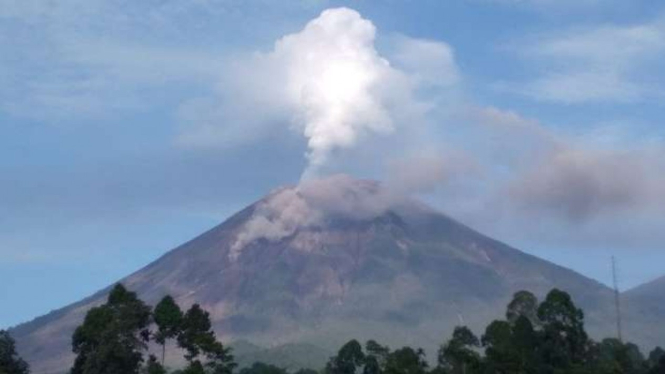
(329, 260)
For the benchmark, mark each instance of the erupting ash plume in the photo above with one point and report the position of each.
(332, 75)
(329, 83)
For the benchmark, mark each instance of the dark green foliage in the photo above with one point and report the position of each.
(500, 353)
(376, 357)
(406, 361)
(113, 336)
(459, 354)
(510, 348)
(545, 338)
(564, 342)
(349, 359)
(524, 304)
(613, 356)
(657, 361)
(306, 371)
(10, 362)
(262, 368)
(197, 338)
(168, 318)
(194, 367)
(153, 367)
(220, 359)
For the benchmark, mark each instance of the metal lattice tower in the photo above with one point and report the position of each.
(617, 301)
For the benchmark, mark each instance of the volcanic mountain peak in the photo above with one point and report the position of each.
(312, 204)
(334, 259)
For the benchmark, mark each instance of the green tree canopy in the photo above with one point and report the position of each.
(10, 362)
(459, 355)
(564, 344)
(612, 356)
(113, 336)
(523, 304)
(197, 338)
(375, 358)
(153, 367)
(656, 361)
(168, 318)
(349, 359)
(406, 360)
(262, 368)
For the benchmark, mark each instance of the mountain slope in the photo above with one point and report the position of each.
(331, 260)
(654, 290)
(643, 309)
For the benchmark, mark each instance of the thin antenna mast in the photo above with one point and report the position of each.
(617, 302)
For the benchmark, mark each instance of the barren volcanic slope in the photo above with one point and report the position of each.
(328, 261)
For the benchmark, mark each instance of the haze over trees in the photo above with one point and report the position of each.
(535, 337)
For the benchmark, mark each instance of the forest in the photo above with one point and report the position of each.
(533, 337)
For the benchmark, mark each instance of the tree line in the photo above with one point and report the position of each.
(535, 337)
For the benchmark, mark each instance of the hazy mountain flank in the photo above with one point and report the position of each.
(315, 265)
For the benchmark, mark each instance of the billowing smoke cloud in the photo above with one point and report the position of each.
(528, 171)
(580, 184)
(309, 204)
(333, 75)
(329, 83)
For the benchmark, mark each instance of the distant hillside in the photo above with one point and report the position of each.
(644, 310)
(309, 267)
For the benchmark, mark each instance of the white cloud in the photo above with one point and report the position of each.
(329, 83)
(74, 60)
(599, 64)
(430, 62)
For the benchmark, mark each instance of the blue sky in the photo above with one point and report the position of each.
(127, 128)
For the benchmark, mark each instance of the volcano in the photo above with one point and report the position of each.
(317, 264)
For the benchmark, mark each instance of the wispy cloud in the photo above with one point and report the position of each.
(75, 60)
(607, 63)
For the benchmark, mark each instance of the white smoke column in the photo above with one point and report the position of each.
(332, 71)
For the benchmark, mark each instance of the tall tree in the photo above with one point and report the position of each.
(406, 361)
(113, 336)
(525, 304)
(500, 352)
(375, 358)
(349, 359)
(168, 318)
(10, 362)
(525, 341)
(458, 355)
(564, 342)
(657, 361)
(612, 356)
(198, 339)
